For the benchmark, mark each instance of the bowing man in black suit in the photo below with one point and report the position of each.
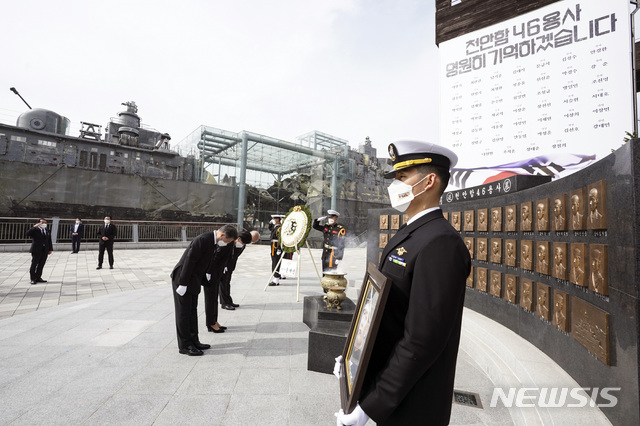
(409, 378)
(187, 278)
(244, 238)
(41, 248)
(107, 234)
(77, 230)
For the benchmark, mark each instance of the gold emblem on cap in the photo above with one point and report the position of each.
(401, 251)
(392, 152)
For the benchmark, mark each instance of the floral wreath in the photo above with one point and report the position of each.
(295, 229)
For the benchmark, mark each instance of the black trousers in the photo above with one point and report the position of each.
(225, 289)
(37, 264)
(101, 247)
(75, 243)
(211, 301)
(186, 317)
(275, 258)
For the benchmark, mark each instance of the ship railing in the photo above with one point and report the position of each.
(13, 230)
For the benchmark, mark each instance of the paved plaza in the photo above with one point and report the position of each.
(99, 348)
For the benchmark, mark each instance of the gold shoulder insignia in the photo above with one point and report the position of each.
(401, 251)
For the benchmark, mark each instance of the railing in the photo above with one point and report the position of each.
(14, 229)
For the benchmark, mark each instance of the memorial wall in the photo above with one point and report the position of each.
(557, 264)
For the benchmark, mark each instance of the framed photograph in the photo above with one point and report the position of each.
(361, 337)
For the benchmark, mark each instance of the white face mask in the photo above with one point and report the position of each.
(331, 221)
(239, 245)
(43, 225)
(221, 243)
(401, 194)
(77, 222)
(106, 222)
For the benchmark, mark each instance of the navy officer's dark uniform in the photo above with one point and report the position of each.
(410, 375)
(333, 241)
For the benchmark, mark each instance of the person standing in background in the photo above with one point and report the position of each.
(107, 234)
(276, 251)
(334, 236)
(77, 230)
(41, 248)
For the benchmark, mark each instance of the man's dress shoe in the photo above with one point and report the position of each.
(202, 346)
(235, 305)
(273, 283)
(228, 307)
(40, 280)
(191, 351)
(33, 282)
(99, 267)
(111, 267)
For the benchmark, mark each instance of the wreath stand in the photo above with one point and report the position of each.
(298, 268)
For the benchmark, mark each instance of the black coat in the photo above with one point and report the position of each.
(410, 375)
(80, 229)
(39, 242)
(221, 257)
(111, 232)
(195, 262)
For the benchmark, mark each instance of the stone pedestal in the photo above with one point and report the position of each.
(328, 334)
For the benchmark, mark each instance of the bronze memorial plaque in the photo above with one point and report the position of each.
(384, 239)
(468, 220)
(384, 221)
(482, 249)
(482, 279)
(597, 208)
(496, 250)
(395, 221)
(542, 301)
(445, 214)
(598, 281)
(455, 220)
(483, 220)
(512, 216)
(560, 310)
(470, 278)
(542, 257)
(559, 206)
(542, 215)
(511, 288)
(578, 256)
(496, 219)
(560, 261)
(576, 206)
(590, 327)
(526, 255)
(526, 294)
(468, 241)
(525, 216)
(510, 252)
(496, 284)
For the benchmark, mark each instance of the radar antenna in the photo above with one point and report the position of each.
(13, 89)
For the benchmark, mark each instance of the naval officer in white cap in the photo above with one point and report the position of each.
(276, 251)
(333, 243)
(409, 378)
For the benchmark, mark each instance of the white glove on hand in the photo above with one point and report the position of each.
(356, 418)
(337, 368)
(181, 290)
(272, 221)
(337, 261)
(225, 270)
(208, 277)
(322, 219)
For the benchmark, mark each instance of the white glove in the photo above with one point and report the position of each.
(272, 221)
(225, 270)
(337, 368)
(208, 277)
(181, 290)
(356, 418)
(337, 261)
(322, 219)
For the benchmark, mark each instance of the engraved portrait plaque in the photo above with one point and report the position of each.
(496, 250)
(482, 279)
(405, 218)
(526, 294)
(468, 241)
(542, 257)
(590, 327)
(468, 220)
(525, 216)
(511, 218)
(483, 220)
(542, 301)
(560, 261)
(559, 211)
(482, 249)
(578, 256)
(526, 255)
(384, 239)
(455, 220)
(395, 221)
(511, 288)
(576, 207)
(542, 215)
(597, 209)
(445, 214)
(510, 252)
(391, 236)
(560, 310)
(496, 284)
(598, 269)
(470, 278)
(496, 219)
(384, 221)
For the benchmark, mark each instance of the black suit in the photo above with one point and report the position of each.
(212, 286)
(225, 282)
(190, 271)
(110, 231)
(410, 375)
(41, 246)
(76, 237)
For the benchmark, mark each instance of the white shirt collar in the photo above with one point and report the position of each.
(422, 213)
